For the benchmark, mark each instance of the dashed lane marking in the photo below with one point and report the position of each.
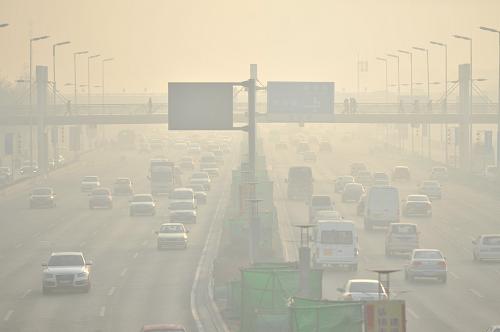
(475, 292)
(412, 313)
(111, 291)
(135, 255)
(8, 315)
(26, 293)
(124, 271)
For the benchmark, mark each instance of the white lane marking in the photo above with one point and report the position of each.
(124, 271)
(412, 313)
(102, 312)
(454, 275)
(7, 315)
(26, 293)
(111, 291)
(135, 255)
(475, 292)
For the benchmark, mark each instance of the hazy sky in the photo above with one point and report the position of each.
(157, 41)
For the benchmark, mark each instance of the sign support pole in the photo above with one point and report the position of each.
(254, 231)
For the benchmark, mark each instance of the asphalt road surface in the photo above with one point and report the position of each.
(132, 282)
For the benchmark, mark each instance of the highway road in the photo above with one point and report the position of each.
(132, 282)
(470, 301)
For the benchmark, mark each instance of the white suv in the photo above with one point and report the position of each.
(89, 183)
(66, 270)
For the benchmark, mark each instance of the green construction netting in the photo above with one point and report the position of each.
(307, 315)
(268, 287)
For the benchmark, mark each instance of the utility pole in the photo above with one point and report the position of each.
(445, 46)
(75, 100)
(102, 83)
(411, 95)
(88, 75)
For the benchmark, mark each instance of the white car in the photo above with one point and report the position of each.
(363, 290)
(66, 270)
(172, 235)
(142, 204)
(330, 215)
(494, 328)
(439, 173)
(430, 188)
(182, 212)
(487, 247)
(427, 263)
(90, 182)
(201, 178)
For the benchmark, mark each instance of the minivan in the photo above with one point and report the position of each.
(336, 244)
(381, 206)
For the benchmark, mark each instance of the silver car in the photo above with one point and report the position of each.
(66, 270)
(427, 263)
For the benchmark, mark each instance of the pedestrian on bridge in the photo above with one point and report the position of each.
(150, 106)
(353, 105)
(346, 106)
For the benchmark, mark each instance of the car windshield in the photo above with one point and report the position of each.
(336, 237)
(404, 229)
(90, 179)
(42, 191)
(66, 260)
(427, 255)
(101, 192)
(491, 240)
(321, 200)
(142, 198)
(172, 229)
(197, 188)
(181, 206)
(417, 198)
(364, 287)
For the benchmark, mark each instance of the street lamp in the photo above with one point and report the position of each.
(34, 39)
(470, 69)
(386, 83)
(102, 83)
(428, 98)
(399, 84)
(498, 115)
(74, 69)
(411, 70)
(445, 106)
(54, 66)
(88, 75)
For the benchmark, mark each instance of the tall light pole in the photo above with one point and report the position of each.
(34, 39)
(470, 69)
(445, 46)
(428, 97)
(411, 70)
(88, 75)
(411, 94)
(498, 115)
(75, 54)
(386, 83)
(54, 67)
(102, 83)
(399, 84)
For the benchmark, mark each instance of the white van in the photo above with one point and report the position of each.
(336, 244)
(381, 206)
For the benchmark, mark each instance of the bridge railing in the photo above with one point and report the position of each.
(156, 108)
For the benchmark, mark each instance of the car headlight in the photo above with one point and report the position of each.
(82, 275)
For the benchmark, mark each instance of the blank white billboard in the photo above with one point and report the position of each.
(200, 106)
(300, 97)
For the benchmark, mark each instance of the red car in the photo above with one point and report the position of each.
(163, 328)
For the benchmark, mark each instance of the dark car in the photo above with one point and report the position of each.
(352, 192)
(401, 173)
(42, 197)
(123, 186)
(100, 198)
